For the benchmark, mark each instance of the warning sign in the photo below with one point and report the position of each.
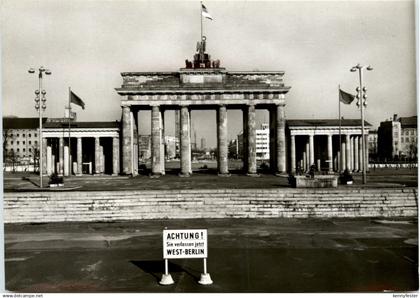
(184, 244)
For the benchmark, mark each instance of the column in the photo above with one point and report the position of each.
(245, 139)
(348, 163)
(330, 154)
(49, 161)
(66, 161)
(293, 154)
(44, 156)
(281, 139)
(60, 156)
(156, 141)
(251, 141)
(222, 145)
(126, 145)
(135, 137)
(162, 146)
(308, 162)
(98, 154)
(311, 151)
(273, 140)
(360, 153)
(351, 154)
(343, 154)
(79, 157)
(115, 156)
(305, 161)
(54, 166)
(102, 158)
(356, 154)
(185, 142)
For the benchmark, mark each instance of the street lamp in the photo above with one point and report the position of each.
(40, 106)
(362, 103)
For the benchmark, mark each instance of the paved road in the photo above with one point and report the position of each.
(245, 255)
(201, 179)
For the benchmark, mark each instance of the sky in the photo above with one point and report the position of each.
(87, 44)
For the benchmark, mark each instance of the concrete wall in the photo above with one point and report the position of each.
(24, 207)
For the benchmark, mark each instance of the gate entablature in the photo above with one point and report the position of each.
(203, 87)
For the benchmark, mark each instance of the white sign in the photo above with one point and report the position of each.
(184, 244)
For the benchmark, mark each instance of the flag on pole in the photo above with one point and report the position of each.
(76, 100)
(205, 13)
(345, 97)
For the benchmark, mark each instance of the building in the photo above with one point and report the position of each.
(263, 142)
(20, 140)
(84, 148)
(326, 144)
(144, 147)
(203, 144)
(172, 147)
(397, 138)
(373, 144)
(233, 149)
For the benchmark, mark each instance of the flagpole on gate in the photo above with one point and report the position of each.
(69, 131)
(201, 18)
(339, 129)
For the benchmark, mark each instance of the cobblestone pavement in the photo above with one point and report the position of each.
(201, 179)
(245, 255)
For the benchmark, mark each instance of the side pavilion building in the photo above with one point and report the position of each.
(330, 144)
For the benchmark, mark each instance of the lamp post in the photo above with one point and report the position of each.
(40, 106)
(362, 103)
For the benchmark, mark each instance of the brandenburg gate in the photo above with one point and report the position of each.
(202, 84)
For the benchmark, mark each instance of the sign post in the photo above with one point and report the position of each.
(185, 244)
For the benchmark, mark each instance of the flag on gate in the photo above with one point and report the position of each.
(76, 100)
(345, 97)
(205, 13)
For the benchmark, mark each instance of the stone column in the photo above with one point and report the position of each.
(330, 154)
(185, 142)
(356, 153)
(97, 156)
(79, 157)
(343, 154)
(359, 138)
(156, 141)
(222, 143)
(54, 166)
(308, 162)
(305, 161)
(66, 161)
(351, 154)
(49, 161)
(281, 139)
(293, 154)
(44, 156)
(348, 160)
(126, 144)
(251, 141)
(60, 156)
(115, 156)
(311, 151)
(245, 139)
(102, 159)
(273, 139)
(135, 136)
(163, 143)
